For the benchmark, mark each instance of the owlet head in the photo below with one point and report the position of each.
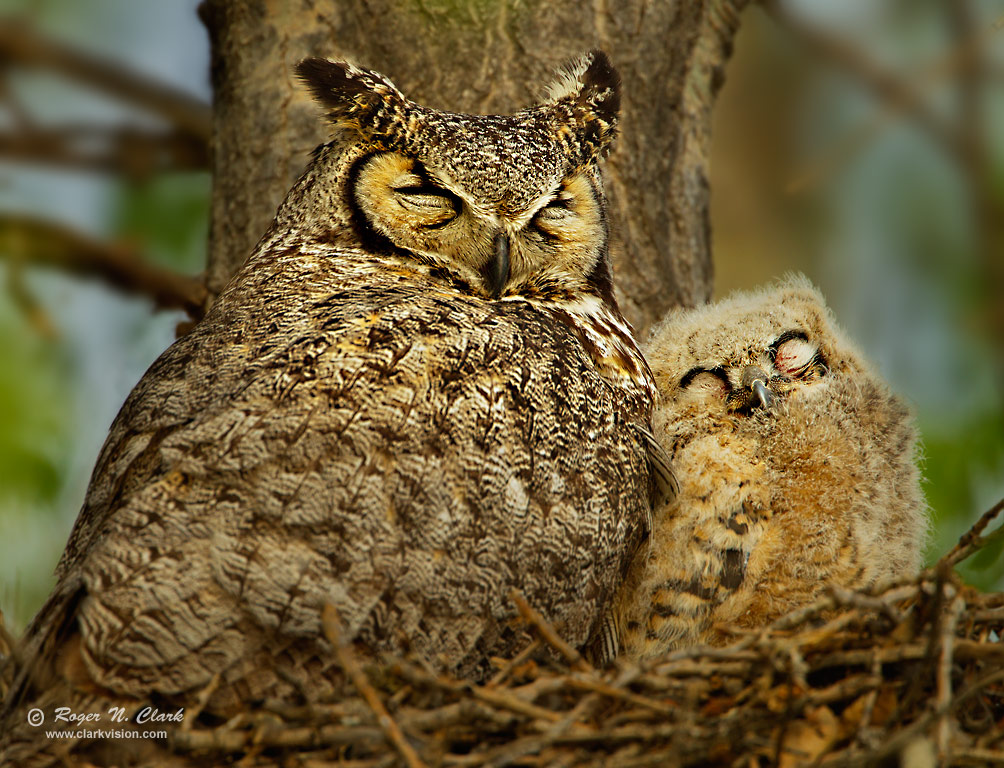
(752, 354)
(508, 204)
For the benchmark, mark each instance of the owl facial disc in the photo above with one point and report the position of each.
(507, 204)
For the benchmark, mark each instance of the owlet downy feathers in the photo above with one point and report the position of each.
(797, 469)
(416, 395)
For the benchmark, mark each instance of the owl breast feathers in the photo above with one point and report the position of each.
(797, 469)
(416, 395)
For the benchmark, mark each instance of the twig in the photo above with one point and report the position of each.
(971, 541)
(944, 672)
(21, 46)
(536, 744)
(192, 713)
(936, 614)
(901, 739)
(462, 712)
(846, 597)
(134, 152)
(983, 757)
(515, 704)
(515, 661)
(40, 242)
(225, 739)
(572, 656)
(307, 712)
(871, 698)
(985, 651)
(331, 625)
(590, 684)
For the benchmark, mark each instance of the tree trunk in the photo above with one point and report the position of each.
(483, 56)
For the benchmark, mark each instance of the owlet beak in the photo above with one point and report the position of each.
(762, 394)
(754, 391)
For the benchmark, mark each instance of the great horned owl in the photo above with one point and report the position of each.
(417, 394)
(797, 469)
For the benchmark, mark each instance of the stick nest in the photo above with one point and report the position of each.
(911, 674)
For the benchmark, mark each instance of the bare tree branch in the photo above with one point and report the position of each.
(330, 623)
(979, 168)
(45, 243)
(21, 46)
(133, 152)
(972, 540)
(899, 96)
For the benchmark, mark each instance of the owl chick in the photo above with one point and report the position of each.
(416, 395)
(797, 469)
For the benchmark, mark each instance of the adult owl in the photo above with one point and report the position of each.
(416, 395)
(797, 469)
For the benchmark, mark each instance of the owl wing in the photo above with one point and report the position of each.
(664, 490)
(720, 551)
(692, 575)
(665, 485)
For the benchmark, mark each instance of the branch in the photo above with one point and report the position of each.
(21, 46)
(898, 95)
(330, 624)
(972, 540)
(549, 634)
(130, 151)
(46, 243)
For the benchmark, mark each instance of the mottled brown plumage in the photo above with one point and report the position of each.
(416, 395)
(797, 469)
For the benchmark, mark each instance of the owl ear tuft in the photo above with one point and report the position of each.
(354, 97)
(589, 88)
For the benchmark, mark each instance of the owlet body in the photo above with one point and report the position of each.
(416, 395)
(797, 469)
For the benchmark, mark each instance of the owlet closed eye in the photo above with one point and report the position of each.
(797, 357)
(705, 383)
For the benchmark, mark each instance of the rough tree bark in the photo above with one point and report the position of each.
(483, 56)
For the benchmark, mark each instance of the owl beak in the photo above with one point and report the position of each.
(762, 394)
(754, 385)
(497, 270)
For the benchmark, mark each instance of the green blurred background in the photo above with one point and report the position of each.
(815, 168)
